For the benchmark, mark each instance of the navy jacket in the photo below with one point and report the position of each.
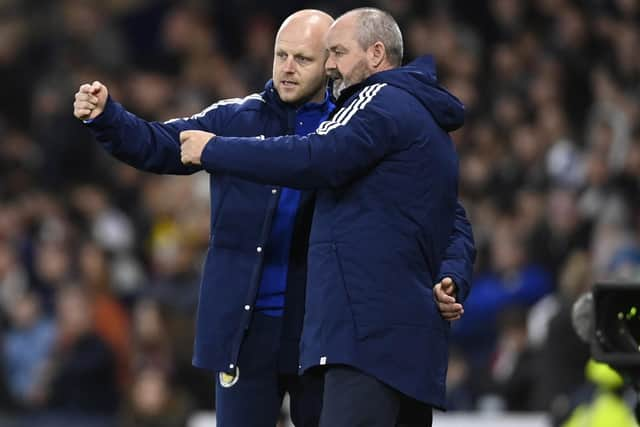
(386, 208)
(241, 216)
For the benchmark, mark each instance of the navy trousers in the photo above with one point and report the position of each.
(256, 398)
(355, 399)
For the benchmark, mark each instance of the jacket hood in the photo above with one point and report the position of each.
(419, 79)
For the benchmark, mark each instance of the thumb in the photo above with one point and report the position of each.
(448, 286)
(96, 87)
(184, 136)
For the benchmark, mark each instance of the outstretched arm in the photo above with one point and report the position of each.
(149, 146)
(342, 149)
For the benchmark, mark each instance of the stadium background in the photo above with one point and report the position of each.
(550, 176)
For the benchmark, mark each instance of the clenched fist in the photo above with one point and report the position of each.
(90, 100)
(192, 143)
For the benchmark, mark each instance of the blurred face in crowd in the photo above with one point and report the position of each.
(52, 262)
(150, 392)
(507, 253)
(25, 311)
(299, 57)
(74, 312)
(347, 63)
(147, 322)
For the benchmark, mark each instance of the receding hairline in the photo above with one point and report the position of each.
(391, 36)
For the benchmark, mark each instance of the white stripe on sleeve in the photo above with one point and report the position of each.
(254, 96)
(345, 114)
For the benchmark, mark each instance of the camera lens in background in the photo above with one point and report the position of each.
(617, 324)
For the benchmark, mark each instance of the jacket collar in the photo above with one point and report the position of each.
(270, 94)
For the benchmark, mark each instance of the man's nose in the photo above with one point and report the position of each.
(289, 65)
(330, 64)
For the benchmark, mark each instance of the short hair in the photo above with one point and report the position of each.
(377, 25)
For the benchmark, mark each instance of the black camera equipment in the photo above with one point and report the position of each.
(615, 328)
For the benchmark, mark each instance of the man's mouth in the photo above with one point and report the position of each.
(288, 83)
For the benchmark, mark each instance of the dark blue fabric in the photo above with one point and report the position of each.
(255, 400)
(271, 293)
(353, 398)
(273, 284)
(386, 175)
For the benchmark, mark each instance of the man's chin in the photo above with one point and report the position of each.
(289, 96)
(338, 87)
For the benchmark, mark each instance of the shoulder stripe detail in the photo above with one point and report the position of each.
(346, 113)
(230, 101)
(345, 110)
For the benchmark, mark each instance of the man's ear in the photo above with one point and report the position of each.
(376, 55)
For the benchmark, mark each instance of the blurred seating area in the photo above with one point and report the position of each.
(100, 263)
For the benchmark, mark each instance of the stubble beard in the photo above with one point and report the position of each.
(360, 73)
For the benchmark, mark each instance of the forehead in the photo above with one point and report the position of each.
(342, 32)
(299, 46)
(297, 37)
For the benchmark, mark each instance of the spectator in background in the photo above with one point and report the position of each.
(155, 402)
(112, 232)
(151, 343)
(81, 386)
(26, 349)
(561, 355)
(563, 229)
(110, 319)
(13, 277)
(52, 270)
(511, 281)
(512, 370)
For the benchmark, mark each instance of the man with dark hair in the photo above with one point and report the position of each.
(386, 214)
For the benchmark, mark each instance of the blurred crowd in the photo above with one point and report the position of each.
(100, 263)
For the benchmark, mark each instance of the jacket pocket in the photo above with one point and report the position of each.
(382, 293)
(328, 310)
